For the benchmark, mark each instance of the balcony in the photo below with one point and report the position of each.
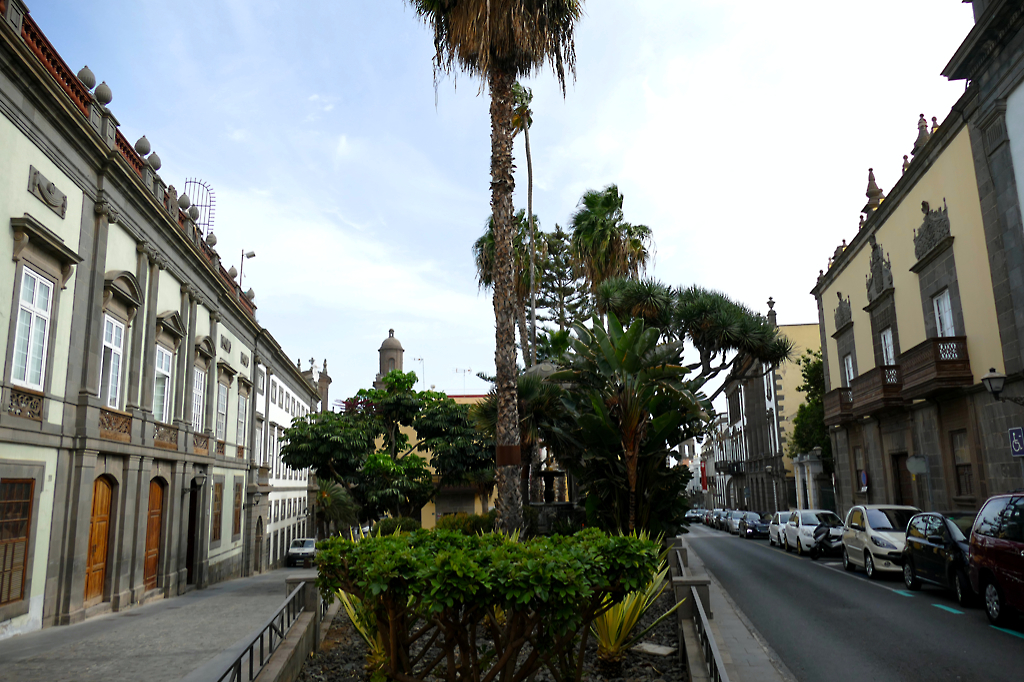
(838, 406)
(735, 468)
(877, 390)
(936, 365)
(115, 425)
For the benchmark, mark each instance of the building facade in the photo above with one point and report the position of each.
(128, 466)
(929, 295)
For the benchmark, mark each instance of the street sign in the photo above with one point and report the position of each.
(1017, 441)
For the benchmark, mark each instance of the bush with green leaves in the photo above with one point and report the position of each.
(392, 524)
(434, 592)
(470, 524)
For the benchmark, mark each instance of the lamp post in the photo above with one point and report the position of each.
(423, 371)
(775, 497)
(246, 255)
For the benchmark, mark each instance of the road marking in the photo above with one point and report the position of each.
(946, 608)
(1009, 632)
(904, 593)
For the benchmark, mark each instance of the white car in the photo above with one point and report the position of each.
(798, 533)
(301, 551)
(874, 537)
(775, 526)
(732, 522)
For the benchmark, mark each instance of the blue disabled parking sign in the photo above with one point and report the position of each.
(1017, 441)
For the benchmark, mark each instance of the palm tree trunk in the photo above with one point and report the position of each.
(507, 460)
(524, 335)
(533, 248)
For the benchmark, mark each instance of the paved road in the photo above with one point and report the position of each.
(827, 624)
(161, 641)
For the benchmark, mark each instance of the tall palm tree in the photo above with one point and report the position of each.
(484, 257)
(522, 119)
(501, 41)
(603, 244)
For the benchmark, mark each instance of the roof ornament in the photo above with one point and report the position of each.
(874, 194)
(87, 77)
(103, 94)
(922, 135)
(142, 146)
(906, 163)
(935, 124)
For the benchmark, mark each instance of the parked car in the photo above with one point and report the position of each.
(875, 536)
(753, 525)
(694, 515)
(732, 522)
(776, 527)
(300, 550)
(937, 552)
(716, 518)
(997, 556)
(798, 533)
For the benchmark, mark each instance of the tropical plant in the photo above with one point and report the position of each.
(365, 623)
(470, 524)
(399, 487)
(395, 524)
(333, 506)
(809, 430)
(501, 41)
(459, 453)
(646, 299)
(534, 599)
(522, 119)
(603, 244)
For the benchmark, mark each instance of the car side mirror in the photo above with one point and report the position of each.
(856, 526)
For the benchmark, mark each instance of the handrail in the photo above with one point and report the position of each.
(268, 639)
(712, 657)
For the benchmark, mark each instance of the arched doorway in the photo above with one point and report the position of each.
(257, 552)
(154, 529)
(99, 532)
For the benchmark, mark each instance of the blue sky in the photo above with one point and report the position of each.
(741, 132)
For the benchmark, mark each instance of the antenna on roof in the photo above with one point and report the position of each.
(205, 199)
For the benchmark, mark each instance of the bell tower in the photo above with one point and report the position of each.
(391, 353)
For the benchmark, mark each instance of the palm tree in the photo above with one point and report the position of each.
(603, 244)
(501, 41)
(484, 257)
(522, 119)
(333, 506)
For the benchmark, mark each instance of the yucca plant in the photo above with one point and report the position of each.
(365, 623)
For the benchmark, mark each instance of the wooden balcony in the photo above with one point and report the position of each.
(838, 406)
(877, 390)
(115, 425)
(936, 365)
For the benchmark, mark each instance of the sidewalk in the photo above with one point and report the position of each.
(746, 656)
(162, 641)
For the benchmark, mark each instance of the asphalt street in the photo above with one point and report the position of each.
(827, 624)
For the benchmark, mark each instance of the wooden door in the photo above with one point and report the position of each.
(99, 530)
(903, 485)
(153, 529)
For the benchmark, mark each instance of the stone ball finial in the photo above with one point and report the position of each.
(193, 213)
(935, 124)
(142, 146)
(250, 294)
(87, 77)
(211, 240)
(154, 161)
(184, 202)
(232, 272)
(103, 94)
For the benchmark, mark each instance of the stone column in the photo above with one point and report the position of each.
(138, 335)
(125, 530)
(137, 583)
(187, 297)
(188, 350)
(798, 470)
(172, 561)
(211, 384)
(265, 435)
(75, 557)
(203, 534)
(91, 310)
(149, 354)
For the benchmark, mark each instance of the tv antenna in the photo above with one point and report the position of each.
(423, 371)
(204, 198)
(463, 372)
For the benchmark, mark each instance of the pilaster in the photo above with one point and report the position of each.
(138, 335)
(120, 570)
(211, 382)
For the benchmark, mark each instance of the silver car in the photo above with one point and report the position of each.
(875, 536)
(776, 527)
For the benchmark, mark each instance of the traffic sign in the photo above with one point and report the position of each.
(1017, 441)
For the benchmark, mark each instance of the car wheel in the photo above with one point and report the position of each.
(995, 605)
(771, 540)
(785, 544)
(869, 565)
(847, 564)
(799, 546)
(910, 577)
(962, 587)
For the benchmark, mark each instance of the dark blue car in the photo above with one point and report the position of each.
(753, 525)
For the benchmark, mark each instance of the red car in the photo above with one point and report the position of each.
(997, 556)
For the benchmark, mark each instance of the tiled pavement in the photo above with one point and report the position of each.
(746, 656)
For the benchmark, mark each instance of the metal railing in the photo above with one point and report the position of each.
(712, 657)
(266, 641)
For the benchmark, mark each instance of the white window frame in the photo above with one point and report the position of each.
(110, 383)
(164, 367)
(888, 350)
(847, 370)
(943, 309)
(32, 373)
(198, 398)
(242, 413)
(222, 410)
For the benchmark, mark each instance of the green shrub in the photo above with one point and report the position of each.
(388, 526)
(534, 597)
(468, 524)
(531, 517)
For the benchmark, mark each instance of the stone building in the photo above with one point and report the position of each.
(133, 369)
(929, 295)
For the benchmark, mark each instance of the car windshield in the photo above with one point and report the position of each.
(303, 544)
(814, 518)
(737, 515)
(752, 517)
(890, 519)
(961, 526)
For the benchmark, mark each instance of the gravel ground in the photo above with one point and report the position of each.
(343, 656)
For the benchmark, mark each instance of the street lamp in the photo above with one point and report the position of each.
(241, 268)
(995, 381)
(775, 495)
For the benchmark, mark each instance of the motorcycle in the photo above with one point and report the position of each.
(825, 542)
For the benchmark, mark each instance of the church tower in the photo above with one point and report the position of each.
(391, 353)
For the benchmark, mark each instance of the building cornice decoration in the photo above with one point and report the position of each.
(105, 208)
(880, 267)
(843, 314)
(933, 236)
(123, 285)
(27, 229)
(47, 192)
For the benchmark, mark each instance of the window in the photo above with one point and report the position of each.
(858, 460)
(240, 434)
(273, 391)
(198, 398)
(218, 508)
(113, 352)
(261, 378)
(989, 520)
(15, 525)
(1013, 521)
(236, 510)
(888, 352)
(31, 336)
(222, 410)
(943, 314)
(962, 462)
(162, 391)
(847, 370)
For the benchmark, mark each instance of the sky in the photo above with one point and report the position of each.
(740, 132)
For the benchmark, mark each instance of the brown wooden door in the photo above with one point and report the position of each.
(153, 528)
(99, 530)
(903, 485)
